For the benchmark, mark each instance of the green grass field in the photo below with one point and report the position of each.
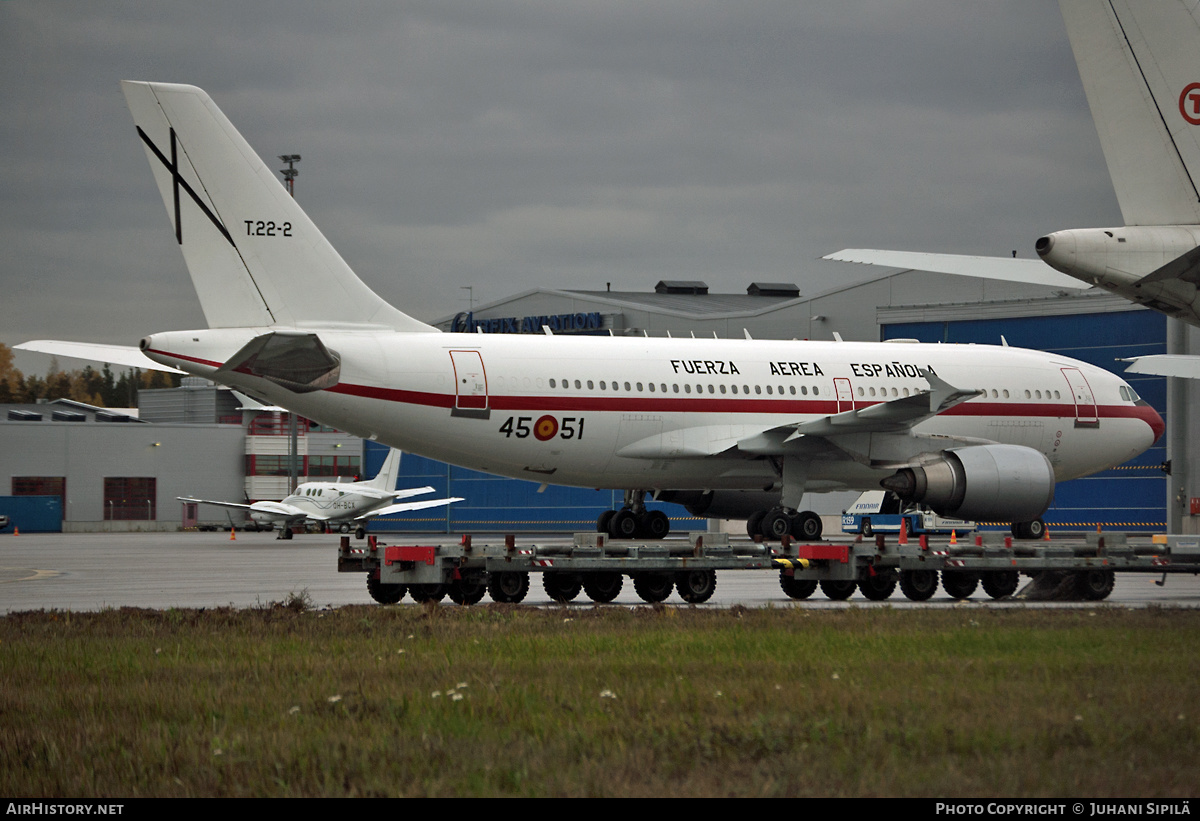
(608, 701)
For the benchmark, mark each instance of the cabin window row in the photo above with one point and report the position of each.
(686, 388)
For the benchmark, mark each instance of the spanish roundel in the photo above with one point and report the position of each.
(545, 428)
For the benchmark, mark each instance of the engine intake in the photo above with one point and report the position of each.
(1006, 483)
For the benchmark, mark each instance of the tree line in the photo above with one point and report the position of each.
(101, 387)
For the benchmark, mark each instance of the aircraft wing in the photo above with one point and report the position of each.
(899, 414)
(125, 355)
(212, 502)
(1181, 365)
(404, 507)
(1007, 269)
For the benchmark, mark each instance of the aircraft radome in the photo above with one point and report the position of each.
(1137, 63)
(345, 505)
(730, 428)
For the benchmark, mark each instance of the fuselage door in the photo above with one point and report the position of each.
(845, 394)
(1085, 402)
(470, 385)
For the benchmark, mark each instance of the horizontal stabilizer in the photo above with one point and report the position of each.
(124, 355)
(1185, 367)
(1005, 269)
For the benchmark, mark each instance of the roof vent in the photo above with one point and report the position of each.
(787, 289)
(680, 286)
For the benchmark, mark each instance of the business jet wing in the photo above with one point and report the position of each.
(404, 507)
(1006, 269)
(283, 511)
(213, 502)
(125, 355)
(1181, 365)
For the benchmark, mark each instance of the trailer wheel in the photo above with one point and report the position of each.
(508, 587)
(561, 587)
(878, 587)
(1000, 583)
(796, 588)
(384, 593)
(427, 592)
(653, 587)
(838, 590)
(1094, 585)
(466, 591)
(696, 586)
(602, 586)
(918, 585)
(959, 584)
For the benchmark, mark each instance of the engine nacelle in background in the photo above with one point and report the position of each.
(722, 504)
(999, 483)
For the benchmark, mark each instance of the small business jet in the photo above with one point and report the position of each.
(341, 505)
(733, 428)
(1137, 62)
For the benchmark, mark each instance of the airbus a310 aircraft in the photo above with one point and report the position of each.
(1138, 66)
(344, 505)
(731, 428)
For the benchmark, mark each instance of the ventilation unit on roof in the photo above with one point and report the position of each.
(786, 289)
(679, 286)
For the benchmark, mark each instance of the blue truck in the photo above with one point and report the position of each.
(878, 511)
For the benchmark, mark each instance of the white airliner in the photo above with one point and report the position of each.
(344, 505)
(1138, 65)
(730, 428)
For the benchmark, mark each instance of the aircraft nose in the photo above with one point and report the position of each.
(1156, 423)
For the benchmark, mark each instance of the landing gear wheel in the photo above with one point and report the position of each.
(360, 533)
(878, 587)
(754, 524)
(602, 587)
(959, 585)
(466, 591)
(344, 527)
(508, 587)
(838, 590)
(1000, 583)
(1094, 585)
(561, 587)
(918, 585)
(1035, 529)
(427, 592)
(624, 524)
(604, 521)
(796, 588)
(696, 586)
(653, 587)
(384, 593)
(655, 524)
(807, 526)
(776, 524)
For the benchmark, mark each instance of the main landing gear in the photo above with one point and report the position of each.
(634, 521)
(778, 522)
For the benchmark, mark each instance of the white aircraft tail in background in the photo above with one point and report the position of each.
(1138, 64)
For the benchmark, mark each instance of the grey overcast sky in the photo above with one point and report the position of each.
(514, 144)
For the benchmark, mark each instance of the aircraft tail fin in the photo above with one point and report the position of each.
(1137, 63)
(389, 472)
(254, 256)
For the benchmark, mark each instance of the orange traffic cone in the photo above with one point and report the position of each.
(16, 530)
(1045, 534)
(232, 534)
(903, 531)
(953, 537)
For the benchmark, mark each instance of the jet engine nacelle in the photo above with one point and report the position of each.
(1005, 483)
(722, 504)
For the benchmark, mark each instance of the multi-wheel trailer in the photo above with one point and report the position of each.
(597, 566)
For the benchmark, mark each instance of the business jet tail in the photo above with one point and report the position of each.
(255, 258)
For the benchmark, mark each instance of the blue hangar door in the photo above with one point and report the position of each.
(1132, 496)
